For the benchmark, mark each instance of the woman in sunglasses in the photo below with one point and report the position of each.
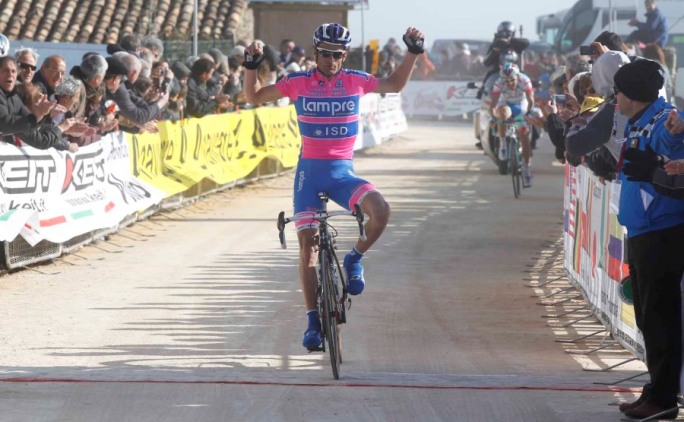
(327, 100)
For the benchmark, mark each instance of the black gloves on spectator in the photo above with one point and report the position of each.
(602, 163)
(414, 46)
(640, 165)
(252, 62)
(573, 160)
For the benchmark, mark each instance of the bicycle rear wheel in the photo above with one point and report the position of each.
(516, 167)
(329, 316)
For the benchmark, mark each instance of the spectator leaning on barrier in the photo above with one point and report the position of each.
(134, 112)
(155, 45)
(178, 92)
(131, 43)
(54, 134)
(27, 59)
(15, 117)
(200, 102)
(50, 74)
(597, 140)
(68, 96)
(91, 72)
(655, 238)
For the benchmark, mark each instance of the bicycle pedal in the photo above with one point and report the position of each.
(315, 349)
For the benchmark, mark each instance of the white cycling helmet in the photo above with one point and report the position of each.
(4, 45)
(332, 33)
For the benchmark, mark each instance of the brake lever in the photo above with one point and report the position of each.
(281, 229)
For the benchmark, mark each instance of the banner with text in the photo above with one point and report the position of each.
(595, 254)
(439, 98)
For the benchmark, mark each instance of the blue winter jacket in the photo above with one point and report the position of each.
(642, 209)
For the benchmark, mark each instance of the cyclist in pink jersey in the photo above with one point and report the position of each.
(327, 101)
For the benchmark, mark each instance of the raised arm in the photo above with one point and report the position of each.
(414, 40)
(254, 92)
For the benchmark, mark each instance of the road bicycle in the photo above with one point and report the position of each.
(332, 298)
(513, 156)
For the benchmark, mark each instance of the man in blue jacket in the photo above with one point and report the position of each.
(654, 30)
(655, 238)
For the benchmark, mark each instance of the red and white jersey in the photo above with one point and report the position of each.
(327, 110)
(516, 95)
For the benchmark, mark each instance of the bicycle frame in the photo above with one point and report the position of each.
(514, 156)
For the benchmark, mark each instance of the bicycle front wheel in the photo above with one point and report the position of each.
(330, 313)
(516, 167)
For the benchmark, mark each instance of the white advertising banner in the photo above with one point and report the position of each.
(56, 196)
(439, 98)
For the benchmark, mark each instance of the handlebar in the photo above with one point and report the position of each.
(319, 216)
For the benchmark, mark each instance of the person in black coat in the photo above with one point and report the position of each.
(19, 124)
(200, 101)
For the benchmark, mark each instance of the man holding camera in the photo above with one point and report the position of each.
(134, 112)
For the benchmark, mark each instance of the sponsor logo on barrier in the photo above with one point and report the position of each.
(131, 191)
(84, 170)
(87, 198)
(119, 149)
(27, 176)
(37, 204)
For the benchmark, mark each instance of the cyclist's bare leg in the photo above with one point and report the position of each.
(307, 266)
(502, 113)
(524, 136)
(378, 212)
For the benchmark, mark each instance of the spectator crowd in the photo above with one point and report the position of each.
(66, 105)
(616, 118)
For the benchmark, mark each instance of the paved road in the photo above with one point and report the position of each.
(196, 315)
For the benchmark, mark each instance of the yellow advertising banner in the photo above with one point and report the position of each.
(180, 156)
(223, 148)
(277, 133)
(147, 163)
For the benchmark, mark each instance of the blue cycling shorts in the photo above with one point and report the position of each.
(334, 177)
(517, 114)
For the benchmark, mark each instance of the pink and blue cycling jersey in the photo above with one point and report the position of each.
(327, 110)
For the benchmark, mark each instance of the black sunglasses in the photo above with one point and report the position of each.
(335, 54)
(615, 90)
(27, 66)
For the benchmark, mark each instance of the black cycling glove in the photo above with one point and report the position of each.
(414, 46)
(252, 62)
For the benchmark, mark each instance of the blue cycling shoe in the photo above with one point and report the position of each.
(354, 270)
(313, 338)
